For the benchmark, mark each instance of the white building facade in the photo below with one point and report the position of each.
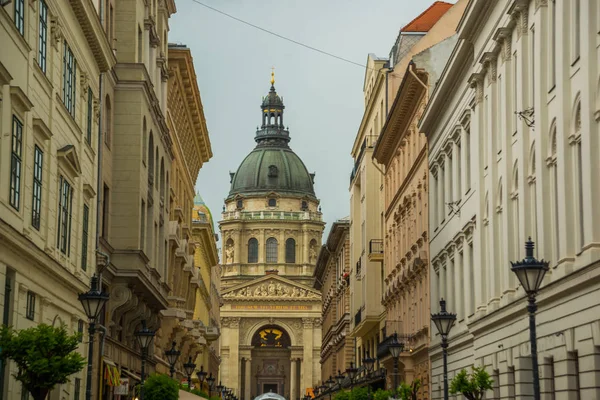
(512, 127)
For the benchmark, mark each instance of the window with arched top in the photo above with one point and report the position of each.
(272, 250)
(107, 121)
(290, 251)
(253, 250)
(151, 160)
(579, 182)
(156, 168)
(532, 194)
(162, 177)
(514, 195)
(144, 141)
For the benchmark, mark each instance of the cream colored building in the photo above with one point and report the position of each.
(271, 230)
(512, 129)
(402, 152)
(206, 261)
(332, 277)
(370, 324)
(51, 56)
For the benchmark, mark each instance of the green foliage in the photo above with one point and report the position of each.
(200, 393)
(161, 387)
(360, 393)
(409, 392)
(214, 398)
(45, 356)
(342, 395)
(382, 394)
(472, 386)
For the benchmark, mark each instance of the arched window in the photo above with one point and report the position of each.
(108, 121)
(290, 251)
(272, 202)
(156, 166)
(532, 194)
(144, 141)
(271, 250)
(162, 178)
(253, 250)
(151, 160)
(514, 195)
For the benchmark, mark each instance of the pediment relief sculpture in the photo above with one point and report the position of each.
(272, 289)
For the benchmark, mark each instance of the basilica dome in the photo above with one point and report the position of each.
(272, 166)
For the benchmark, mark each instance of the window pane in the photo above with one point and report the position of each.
(253, 250)
(15, 163)
(42, 35)
(84, 237)
(271, 250)
(290, 251)
(36, 207)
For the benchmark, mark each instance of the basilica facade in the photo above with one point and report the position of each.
(271, 229)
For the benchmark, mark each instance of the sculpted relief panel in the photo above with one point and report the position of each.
(272, 289)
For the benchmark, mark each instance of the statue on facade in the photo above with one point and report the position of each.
(312, 254)
(263, 290)
(295, 292)
(279, 290)
(271, 289)
(229, 254)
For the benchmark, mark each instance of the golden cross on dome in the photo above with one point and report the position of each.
(272, 75)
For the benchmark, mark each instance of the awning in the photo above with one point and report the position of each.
(131, 375)
(112, 377)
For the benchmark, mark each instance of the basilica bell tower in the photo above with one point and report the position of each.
(271, 227)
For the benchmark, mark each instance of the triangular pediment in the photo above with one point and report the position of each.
(271, 287)
(68, 155)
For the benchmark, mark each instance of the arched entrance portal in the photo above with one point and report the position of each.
(271, 356)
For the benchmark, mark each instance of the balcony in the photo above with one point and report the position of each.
(273, 215)
(376, 250)
(357, 317)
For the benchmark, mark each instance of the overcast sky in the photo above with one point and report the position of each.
(323, 96)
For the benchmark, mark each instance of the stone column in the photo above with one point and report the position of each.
(447, 184)
(305, 244)
(467, 278)
(293, 383)
(247, 379)
(455, 172)
(237, 255)
(307, 324)
(262, 247)
(231, 335)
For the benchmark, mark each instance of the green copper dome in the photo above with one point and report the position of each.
(272, 166)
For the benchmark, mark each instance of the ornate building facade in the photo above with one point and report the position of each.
(271, 228)
(402, 151)
(332, 278)
(512, 127)
(52, 55)
(206, 260)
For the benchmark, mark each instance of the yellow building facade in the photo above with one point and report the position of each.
(332, 277)
(52, 54)
(271, 227)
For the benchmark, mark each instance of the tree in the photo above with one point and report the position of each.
(359, 393)
(472, 386)
(45, 356)
(381, 394)
(342, 395)
(409, 392)
(160, 387)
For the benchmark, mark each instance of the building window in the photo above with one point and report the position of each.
(253, 250)
(304, 205)
(105, 210)
(30, 311)
(80, 330)
(576, 29)
(90, 116)
(77, 389)
(84, 237)
(20, 16)
(64, 216)
(69, 79)
(42, 35)
(271, 250)
(108, 123)
(272, 202)
(553, 167)
(240, 204)
(142, 225)
(16, 163)
(36, 206)
(290, 251)
(552, 52)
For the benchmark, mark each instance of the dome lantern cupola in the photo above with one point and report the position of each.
(272, 131)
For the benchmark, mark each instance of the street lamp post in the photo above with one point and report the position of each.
(172, 356)
(369, 363)
(92, 302)
(444, 322)
(351, 372)
(144, 337)
(530, 272)
(201, 376)
(330, 383)
(220, 388)
(211, 383)
(340, 379)
(396, 348)
(189, 368)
